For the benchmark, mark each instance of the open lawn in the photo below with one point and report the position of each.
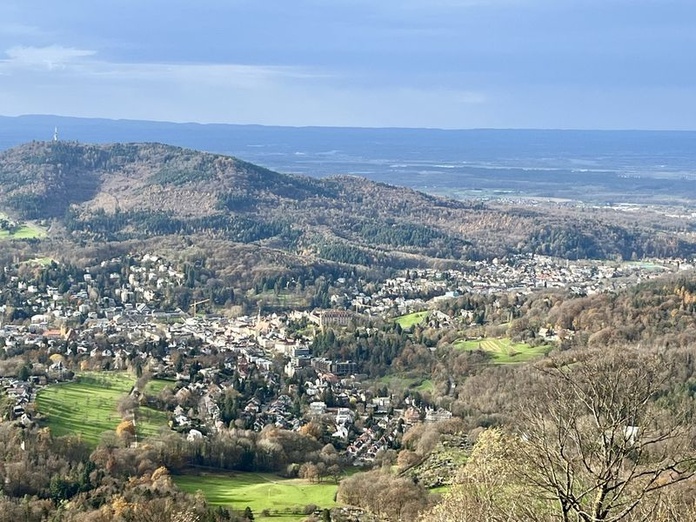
(407, 321)
(260, 491)
(88, 407)
(284, 299)
(426, 386)
(155, 386)
(405, 382)
(24, 231)
(41, 261)
(504, 351)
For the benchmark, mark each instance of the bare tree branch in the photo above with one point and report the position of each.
(597, 438)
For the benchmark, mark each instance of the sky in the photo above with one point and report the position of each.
(570, 64)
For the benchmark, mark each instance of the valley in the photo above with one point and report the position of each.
(422, 261)
(191, 321)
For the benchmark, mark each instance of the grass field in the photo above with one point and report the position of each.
(41, 261)
(89, 407)
(426, 386)
(155, 386)
(504, 351)
(283, 299)
(260, 491)
(407, 321)
(25, 231)
(405, 382)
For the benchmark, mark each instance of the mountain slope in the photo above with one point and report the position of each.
(130, 191)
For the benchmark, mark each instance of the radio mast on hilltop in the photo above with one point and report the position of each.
(55, 134)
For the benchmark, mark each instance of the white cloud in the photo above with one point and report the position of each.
(230, 93)
(51, 57)
(17, 29)
(83, 64)
(70, 80)
(231, 75)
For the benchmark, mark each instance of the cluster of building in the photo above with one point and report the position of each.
(21, 394)
(516, 274)
(80, 328)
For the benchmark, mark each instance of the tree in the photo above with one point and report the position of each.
(126, 431)
(387, 496)
(24, 373)
(490, 486)
(605, 434)
(309, 471)
(600, 439)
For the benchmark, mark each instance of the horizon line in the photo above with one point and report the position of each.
(339, 127)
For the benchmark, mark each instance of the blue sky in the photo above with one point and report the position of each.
(587, 64)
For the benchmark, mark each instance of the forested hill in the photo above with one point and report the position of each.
(125, 191)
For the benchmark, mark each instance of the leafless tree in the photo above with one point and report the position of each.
(605, 435)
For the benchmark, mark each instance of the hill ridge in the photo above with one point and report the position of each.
(122, 191)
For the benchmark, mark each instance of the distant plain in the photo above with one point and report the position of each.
(594, 167)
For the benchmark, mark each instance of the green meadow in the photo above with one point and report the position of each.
(41, 261)
(284, 299)
(24, 231)
(407, 321)
(88, 406)
(404, 381)
(155, 386)
(504, 351)
(426, 386)
(283, 498)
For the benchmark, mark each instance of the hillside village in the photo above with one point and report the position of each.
(252, 371)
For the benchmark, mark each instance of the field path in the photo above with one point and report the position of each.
(265, 478)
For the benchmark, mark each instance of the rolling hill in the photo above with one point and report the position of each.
(121, 192)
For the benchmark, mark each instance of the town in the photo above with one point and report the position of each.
(251, 371)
